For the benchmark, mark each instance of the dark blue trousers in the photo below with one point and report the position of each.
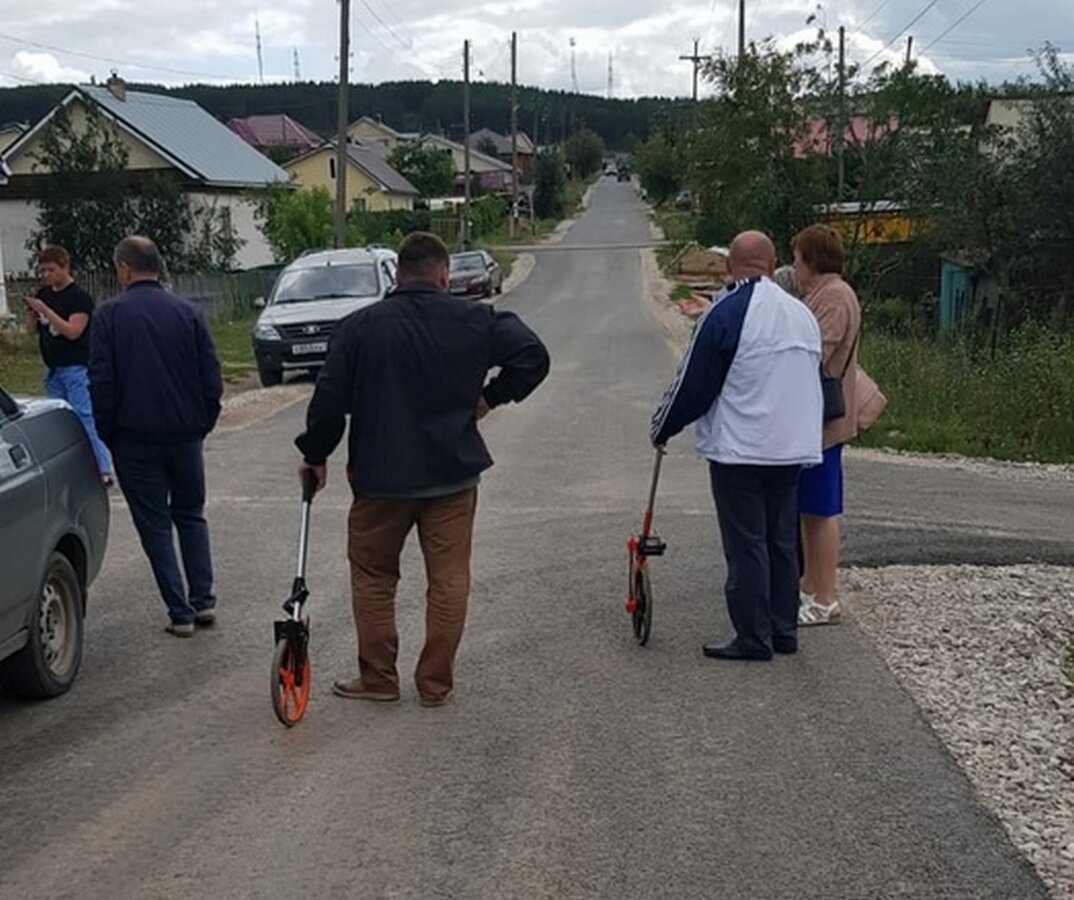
(165, 490)
(757, 508)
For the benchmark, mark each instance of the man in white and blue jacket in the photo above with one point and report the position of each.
(751, 381)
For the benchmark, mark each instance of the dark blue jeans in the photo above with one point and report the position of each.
(165, 488)
(757, 507)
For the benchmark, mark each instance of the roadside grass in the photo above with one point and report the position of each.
(950, 397)
(22, 372)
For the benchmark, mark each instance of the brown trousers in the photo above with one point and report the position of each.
(378, 529)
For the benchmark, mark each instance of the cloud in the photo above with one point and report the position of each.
(40, 66)
(406, 39)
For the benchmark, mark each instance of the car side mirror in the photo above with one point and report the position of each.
(259, 303)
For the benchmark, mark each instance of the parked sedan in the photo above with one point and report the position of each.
(475, 274)
(54, 518)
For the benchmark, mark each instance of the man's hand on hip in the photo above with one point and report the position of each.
(483, 409)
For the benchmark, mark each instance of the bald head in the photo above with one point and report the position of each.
(752, 254)
(137, 259)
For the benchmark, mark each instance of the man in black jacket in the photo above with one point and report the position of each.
(411, 372)
(156, 387)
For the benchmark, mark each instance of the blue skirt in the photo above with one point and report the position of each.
(820, 488)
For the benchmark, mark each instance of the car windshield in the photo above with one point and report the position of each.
(472, 262)
(326, 283)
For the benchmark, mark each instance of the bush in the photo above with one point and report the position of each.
(389, 227)
(487, 215)
(549, 186)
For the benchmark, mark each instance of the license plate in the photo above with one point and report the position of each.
(304, 349)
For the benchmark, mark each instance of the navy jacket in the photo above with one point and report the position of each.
(409, 371)
(154, 375)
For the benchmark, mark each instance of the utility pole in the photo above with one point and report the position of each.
(909, 49)
(841, 127)
(514, 133)
(342, 116)
(696, 59)
(466, 143)
(741, 29)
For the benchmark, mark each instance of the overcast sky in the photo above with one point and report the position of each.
(208, 40)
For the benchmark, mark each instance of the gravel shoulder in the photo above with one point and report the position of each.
(982, 651)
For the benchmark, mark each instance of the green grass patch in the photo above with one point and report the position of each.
(1068, 662)
(234, 347)
(1016, 403)
(22, 372)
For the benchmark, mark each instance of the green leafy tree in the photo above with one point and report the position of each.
(164, 214)
(85, 200)
(430, 170)
(550, 185)
(659, 165)
(294, 221)
(745, 159)
(584, 152)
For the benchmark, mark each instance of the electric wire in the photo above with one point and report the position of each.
(902, 31)
(969, 12)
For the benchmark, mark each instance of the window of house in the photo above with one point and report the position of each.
(332, 167)
(360, 205)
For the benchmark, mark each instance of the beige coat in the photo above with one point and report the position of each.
(836, 307)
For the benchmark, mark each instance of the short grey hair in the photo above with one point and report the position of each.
(140, 254)
(784, 276)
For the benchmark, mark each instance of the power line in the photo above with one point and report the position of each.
(114, 60)
(405, 44)
(874, 13)
(902, 31)
(969, 12)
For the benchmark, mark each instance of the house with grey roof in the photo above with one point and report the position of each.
(161, 134)
(372, 184)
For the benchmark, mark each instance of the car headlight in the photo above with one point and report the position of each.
(267, 333)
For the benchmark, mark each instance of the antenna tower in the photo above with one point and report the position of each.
(298, 69)
(611, 74)
(257, 37)
(574, 67)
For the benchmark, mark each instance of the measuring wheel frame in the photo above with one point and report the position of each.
(639, 602)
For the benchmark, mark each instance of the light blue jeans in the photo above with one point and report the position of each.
(71, 383)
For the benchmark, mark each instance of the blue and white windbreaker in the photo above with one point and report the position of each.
(750, 380)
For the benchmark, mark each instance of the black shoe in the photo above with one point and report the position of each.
(734, 650)
(785, 646)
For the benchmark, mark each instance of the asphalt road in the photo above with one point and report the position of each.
(572, 764)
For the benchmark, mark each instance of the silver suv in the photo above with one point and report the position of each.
(310, 298)
(53, 531)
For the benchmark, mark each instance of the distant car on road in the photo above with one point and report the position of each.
(475, 274)
(310, 298)
(54, 517)
(623, 174)
(685, 200)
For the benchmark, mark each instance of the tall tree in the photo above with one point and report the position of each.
(430, 170)
(584, 152)
(83, 194)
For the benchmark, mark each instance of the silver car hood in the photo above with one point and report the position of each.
(313, 310)
(36, 406)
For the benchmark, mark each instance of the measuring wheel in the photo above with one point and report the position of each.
(290, 677)
(642, 616)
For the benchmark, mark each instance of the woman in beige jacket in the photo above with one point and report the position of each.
(818, 268)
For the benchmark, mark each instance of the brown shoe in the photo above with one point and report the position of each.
(353, 689)
(431, 702)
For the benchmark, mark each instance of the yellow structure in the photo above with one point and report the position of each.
(372, 184)
(369, 131)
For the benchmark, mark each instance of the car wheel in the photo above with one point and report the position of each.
(270, 377)
(48, 664)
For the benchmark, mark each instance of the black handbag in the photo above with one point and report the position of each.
(835, 403)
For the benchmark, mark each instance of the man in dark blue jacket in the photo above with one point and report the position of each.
(412, 373)
(156, 388)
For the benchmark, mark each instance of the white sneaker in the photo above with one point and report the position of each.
(815, 613)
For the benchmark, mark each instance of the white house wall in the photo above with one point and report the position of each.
(255, 250)
(18, 219)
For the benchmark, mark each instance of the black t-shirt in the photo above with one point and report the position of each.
(56, 350)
